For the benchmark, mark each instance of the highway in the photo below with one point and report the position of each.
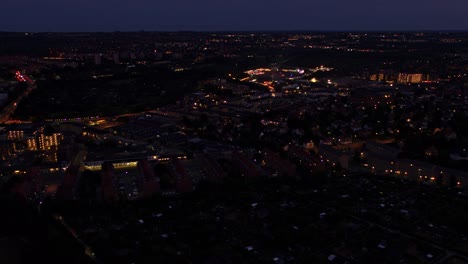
(8, 110)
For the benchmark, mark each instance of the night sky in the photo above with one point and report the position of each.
(174, 15)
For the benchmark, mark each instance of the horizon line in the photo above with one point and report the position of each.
(254, 30)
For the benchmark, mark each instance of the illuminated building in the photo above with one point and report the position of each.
(412, 77)
(32, 144)
(381, 77)
(47, 142)
(42, 142)
(16, 135)
(52, 155)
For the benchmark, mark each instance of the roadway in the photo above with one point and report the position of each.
(8, 110)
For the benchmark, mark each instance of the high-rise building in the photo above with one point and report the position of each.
(32, 144)
(47, 142)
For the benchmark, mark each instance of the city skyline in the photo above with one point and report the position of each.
(279, 147)
(208, 15)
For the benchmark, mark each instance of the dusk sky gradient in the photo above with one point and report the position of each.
(174, 15)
